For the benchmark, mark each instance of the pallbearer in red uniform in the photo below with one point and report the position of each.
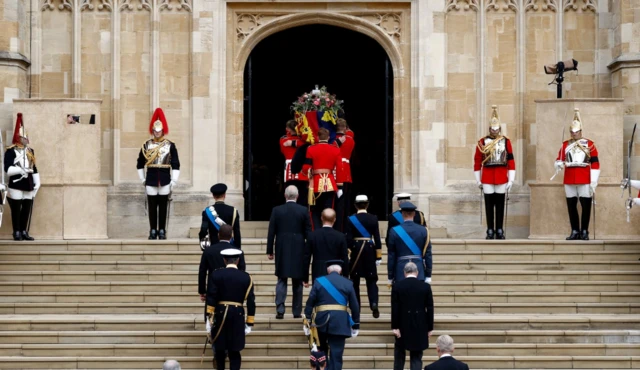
(346, 145)
(495, 171)
(579, 158)
(289, 143)
(321, 160)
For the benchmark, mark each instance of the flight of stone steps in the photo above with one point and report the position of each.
(131, 304)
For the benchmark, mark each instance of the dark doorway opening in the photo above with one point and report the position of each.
(283, 66)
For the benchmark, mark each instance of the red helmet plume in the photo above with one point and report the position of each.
(19, 131)
(157, 121)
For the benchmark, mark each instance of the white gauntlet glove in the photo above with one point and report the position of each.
(477, 175)
(306, 330)
(512, 178)
(247, 329)
(15, 170)
(354, 333)
(559, 165)
(378, 262)
(340, 193)
(36, 182)
(141, 175)
(175, 174)
(208, 326)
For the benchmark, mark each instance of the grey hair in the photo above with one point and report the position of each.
(445, 343)
(410, 268)
(291, 192)
(171, 365)
(336, 268)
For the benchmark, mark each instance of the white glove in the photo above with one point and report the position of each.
(306, 330)
(378, 262)
(247, 329)
(509, 185)
(340, 193)
(15, 170)
(512, 178)
(595, 175)
(390, 282)
(175, 174)
(559, 165)
(635, 184)
(427, 280)
(204, 244)
(36, 182)
(141, 175)
(477, 175)
(593, 187)
(2, 187)
(208, 326)
(354, 333)
(636, 201)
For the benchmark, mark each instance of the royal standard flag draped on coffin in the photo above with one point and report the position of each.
(315, 110)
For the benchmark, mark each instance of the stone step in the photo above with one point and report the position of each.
(302, 362)
(268, 276)
(252, 257)
(462, 337)
(352, 349)
(269, 297)
(446, 322)
(443, 265)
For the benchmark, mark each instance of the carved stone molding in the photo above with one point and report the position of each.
(586, 5)
(508, 5)
(102, 5)
(182, 5)
(532, 5)
(458, 5)
(247, 23)
(142, 4)
(64, 5)
(390, 23)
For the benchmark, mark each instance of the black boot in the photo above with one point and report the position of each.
(585, 235)
(575, 235)
(162, 235)
(153, 234)
(17, 236)
(376, 312)
(500, 234)
(490, 234)
(25, 235)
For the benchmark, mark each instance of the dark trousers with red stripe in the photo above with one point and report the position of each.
(323, 201)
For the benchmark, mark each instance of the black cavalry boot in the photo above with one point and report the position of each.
(500, 234)
(162, 235)
(575, 235)
(153, 234)
(584, 235)
(376, 311)
(490, 234)
(17, 236)
(25, 236)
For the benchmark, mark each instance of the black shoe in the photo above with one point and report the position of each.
(575, 235)
(376, 312)
(17, 236)
(25, 236)
(499, 234)
(279, 315)
(585, 235)
(297, 316)
(490, 234)
(162, 235)
(153, 235)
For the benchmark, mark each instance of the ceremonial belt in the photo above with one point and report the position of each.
(362, 239)
(365, 236)
(321, 172)
(159, 166)
(398, 216)
(331, 307)
(229, 303)
(345, 160)
(407, 240)
(413, 256)
(336, 295)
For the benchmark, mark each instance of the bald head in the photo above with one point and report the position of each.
(328, 217)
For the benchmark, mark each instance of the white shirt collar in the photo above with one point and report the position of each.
(225, 241)
(362, 211)
(232, 266)
(446, 355)
(411, 276)
(327, 225)
(292, 201)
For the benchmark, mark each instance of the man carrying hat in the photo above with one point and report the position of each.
(160, 156)
(579, 158)
(363, 240)
(226, 291)
(329, 298)
(408, 242)
(395, 218)
(219, 214)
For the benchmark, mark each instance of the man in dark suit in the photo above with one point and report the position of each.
(395, 218)
(326, 244)
(290, 226)
(411, 318)
(445, 347)
(217, 215)
(363, 239)
(329, 297)
(408, 242)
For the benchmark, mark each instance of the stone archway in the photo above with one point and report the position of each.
(248, 25)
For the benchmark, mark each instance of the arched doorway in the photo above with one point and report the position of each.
(282, 66)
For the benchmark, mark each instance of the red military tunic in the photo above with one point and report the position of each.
(584, 160)
(350, 133)
(496, 174)
(325, 158)
(346, 149)
(288, 152)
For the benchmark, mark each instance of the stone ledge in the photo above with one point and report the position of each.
(631, 60)
(17, 59)
(579, 100)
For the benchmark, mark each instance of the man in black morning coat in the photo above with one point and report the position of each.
(332, 319)
(444, 347)
(289, 226)
(326, 244)
(219, 214)
(411, 317)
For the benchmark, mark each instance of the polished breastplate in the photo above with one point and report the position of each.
(577, 153)
(158, 154)
(22, 158)
(498, 154)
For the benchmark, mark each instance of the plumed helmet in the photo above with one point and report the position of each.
(576, 124)
(158, 122)
(20, 131)
(494, 122)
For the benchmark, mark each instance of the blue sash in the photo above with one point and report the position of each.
(334, 293)
(212, 218)
(359, 227)
(407, 240)
(398, 217)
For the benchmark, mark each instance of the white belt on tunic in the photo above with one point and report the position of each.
(345, 160)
